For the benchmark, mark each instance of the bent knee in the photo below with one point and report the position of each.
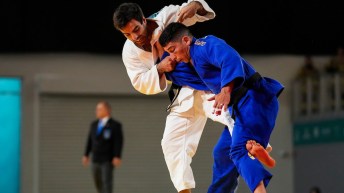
(165, 145)
(218, 151)
(238, 152)
(170, 146)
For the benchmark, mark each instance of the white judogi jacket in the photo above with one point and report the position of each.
(140, 64)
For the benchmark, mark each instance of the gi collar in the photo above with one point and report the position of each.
(193, 41)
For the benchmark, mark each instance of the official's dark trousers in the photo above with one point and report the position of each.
(103, 175)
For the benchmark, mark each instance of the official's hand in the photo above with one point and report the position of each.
(166, 65)
(116, 162)
(189, 11)
(85, 161)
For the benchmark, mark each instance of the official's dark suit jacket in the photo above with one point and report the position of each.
(108, 144)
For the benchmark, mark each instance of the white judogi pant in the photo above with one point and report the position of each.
(183, 130)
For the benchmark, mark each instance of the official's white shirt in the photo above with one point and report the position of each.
(103, 121)
(140, 64)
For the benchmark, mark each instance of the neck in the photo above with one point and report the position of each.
(105, 117)
(151, 26)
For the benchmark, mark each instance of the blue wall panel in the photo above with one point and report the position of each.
(10, 121)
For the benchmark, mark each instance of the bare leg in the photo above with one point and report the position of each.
(258, 151)
(260, 188)
(185, 191)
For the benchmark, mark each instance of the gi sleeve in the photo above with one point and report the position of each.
(219, 54)
(144, 79)
(170, 13)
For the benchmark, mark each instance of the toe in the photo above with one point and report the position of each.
(249, 146)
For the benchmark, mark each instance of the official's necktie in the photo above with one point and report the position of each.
(100, 127)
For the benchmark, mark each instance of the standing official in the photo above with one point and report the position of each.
(104, 143)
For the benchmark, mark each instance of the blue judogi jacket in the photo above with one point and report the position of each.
(185, 75)
(218, 64)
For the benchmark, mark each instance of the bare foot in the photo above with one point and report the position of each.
(258, 151)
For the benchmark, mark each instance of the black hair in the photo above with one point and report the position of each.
(126, 12)
(173, 32)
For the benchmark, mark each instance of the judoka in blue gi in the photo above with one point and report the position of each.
(225, 175)
(252, 99)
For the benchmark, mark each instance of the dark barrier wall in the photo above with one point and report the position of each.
(262, 27)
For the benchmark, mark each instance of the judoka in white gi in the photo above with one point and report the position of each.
(190, 110)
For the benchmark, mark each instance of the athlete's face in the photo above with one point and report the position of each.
(136, 31)
(180, 50)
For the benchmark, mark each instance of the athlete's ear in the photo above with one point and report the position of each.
(187, 40)
(144, 20)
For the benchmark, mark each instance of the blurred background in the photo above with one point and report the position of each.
(59, 58)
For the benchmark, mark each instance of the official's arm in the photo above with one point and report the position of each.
(118, 141)
(88, 144)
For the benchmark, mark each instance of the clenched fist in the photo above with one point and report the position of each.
(166, 65)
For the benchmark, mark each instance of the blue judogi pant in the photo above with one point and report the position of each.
(255, 118)
(225, 174)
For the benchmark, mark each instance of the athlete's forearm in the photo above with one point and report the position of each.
(200, 9)
(228, 88)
